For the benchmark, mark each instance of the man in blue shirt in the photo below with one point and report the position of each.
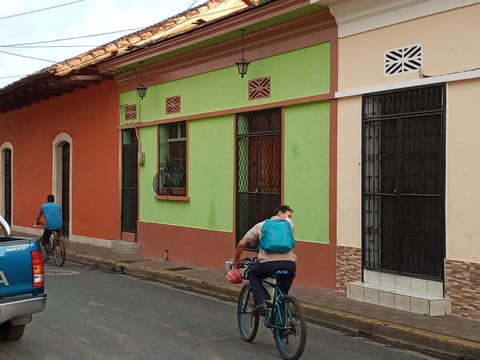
(52, 213)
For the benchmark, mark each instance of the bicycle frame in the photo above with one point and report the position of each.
(270, 321)
(284, 317)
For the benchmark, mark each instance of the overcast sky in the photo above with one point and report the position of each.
(66, 19)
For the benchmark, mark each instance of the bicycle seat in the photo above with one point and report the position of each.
(281, 272)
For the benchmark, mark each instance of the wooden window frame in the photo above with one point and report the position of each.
(176, 188)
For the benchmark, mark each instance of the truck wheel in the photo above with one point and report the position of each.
(12, 332)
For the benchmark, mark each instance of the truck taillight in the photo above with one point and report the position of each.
(37, 269)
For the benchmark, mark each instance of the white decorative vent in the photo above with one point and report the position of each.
(402, 60)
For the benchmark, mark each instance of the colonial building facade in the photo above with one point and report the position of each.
(218, 150)
(407, 228)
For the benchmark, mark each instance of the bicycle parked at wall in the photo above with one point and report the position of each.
(284, 316)
(55, 249)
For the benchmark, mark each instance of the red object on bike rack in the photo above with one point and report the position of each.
(235, 276)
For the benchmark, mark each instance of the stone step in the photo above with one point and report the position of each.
(399, 299)
(125, 247)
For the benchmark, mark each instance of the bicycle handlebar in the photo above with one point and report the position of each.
(244, 262)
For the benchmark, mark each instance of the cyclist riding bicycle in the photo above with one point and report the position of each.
(268, 262)
(52, 213)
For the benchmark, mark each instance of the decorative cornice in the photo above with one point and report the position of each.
(297, 33)
(357, 16)
(218, 29)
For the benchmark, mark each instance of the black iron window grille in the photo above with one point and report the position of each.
(403, 189)
(258, 167)
(129, 181)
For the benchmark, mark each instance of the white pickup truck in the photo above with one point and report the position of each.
(22, 286)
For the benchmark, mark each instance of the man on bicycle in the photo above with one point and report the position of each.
(268, 263)
(52, 213)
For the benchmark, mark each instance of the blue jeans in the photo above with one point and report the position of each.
(262, 270)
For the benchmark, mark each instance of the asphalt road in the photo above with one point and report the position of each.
(98, 315)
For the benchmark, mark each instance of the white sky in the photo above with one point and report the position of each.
(79, 18)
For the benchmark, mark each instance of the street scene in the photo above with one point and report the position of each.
(213, 179)
(96, 314)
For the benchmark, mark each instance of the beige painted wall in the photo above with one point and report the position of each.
(361, 56)
(349, 179)
(361, 66)
(463, 171)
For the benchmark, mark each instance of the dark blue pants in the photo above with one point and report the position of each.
(262, 270)
(46, 236)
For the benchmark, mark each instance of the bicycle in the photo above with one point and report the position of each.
(284, 316)
(56, 250)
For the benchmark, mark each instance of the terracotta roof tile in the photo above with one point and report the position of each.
(185, 21)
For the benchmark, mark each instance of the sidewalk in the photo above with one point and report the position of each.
(441, 335)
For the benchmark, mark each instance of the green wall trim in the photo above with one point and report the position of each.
(296, 74)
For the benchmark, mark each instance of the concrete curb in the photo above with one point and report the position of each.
(401, 335)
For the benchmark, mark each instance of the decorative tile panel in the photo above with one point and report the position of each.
(402, 60)
(130, 112)
(173, 104)
(462, 284)
(259, 88)
(349, 266)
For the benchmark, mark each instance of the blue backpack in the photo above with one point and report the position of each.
(276, 236)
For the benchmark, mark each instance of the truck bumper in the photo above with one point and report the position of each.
(22, 309)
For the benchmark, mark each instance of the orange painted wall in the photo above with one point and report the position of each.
(90, 117)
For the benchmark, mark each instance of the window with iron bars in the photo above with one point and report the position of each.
(172, 156)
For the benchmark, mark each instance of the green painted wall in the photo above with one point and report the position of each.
(306, 161)
(210, 177)
(295, 74)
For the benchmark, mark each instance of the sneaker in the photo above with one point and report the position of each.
(260, 308)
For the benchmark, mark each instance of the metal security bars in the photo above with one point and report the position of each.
(7, 195)
(403, 189)
(258, 167)
(129, 181)
(66, 188)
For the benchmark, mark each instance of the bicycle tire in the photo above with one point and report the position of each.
(247, 321)
(290, 331)
(58, 252)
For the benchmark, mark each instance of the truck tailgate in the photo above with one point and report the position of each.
(16, 265)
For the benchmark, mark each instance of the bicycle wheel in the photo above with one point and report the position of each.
(58, 252)
(290, 331)
(247, 321)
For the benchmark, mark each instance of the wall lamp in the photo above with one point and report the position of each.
(141, 91)
(242, 63)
